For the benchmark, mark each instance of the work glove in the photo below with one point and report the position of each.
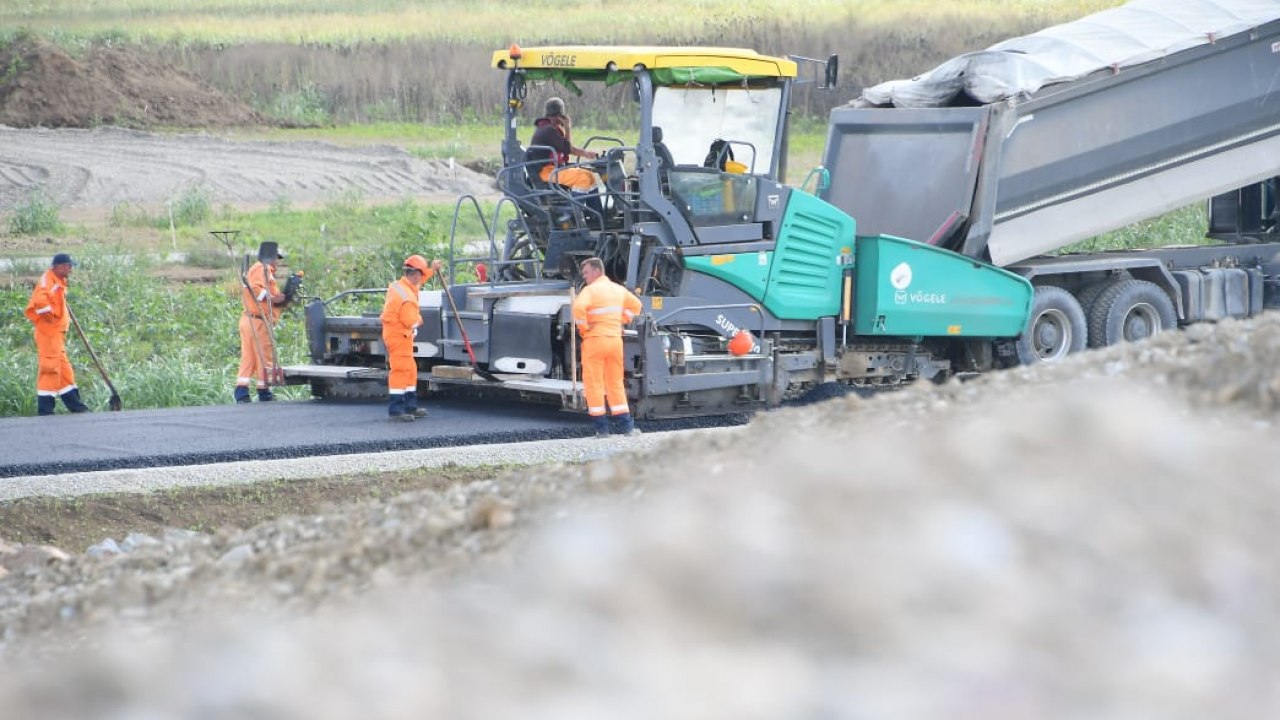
(292, 286)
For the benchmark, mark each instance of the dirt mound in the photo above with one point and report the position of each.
(43, 86)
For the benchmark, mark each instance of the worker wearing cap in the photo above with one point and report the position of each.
(47, 311)
(401, 317)
(553, 130)
(262, 302)
(600, 311)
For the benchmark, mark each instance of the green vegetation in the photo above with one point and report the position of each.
(1185, 226)
(37, 213)
(317, 62)
(490, 22)
(167, 343)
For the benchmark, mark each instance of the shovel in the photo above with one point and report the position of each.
(114, 403)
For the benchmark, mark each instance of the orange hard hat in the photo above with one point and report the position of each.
(416, 262)
(741, 343)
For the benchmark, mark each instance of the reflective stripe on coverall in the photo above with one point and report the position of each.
(47, 311)
(600, 311)
(262, 287)
(400, 320)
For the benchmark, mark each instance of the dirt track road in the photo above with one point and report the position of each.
(90, 172)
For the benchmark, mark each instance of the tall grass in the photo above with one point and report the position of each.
(36, 213)
(335, 61)
(493, 22)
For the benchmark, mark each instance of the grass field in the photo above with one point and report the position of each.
(323, 62)
(492, 22)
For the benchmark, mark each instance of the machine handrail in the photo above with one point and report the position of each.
(753, 307)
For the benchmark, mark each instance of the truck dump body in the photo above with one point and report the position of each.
(1040, 170)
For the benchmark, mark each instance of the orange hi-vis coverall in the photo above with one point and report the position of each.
(257, 354)
(600, 312)
(47, 311)
(400, 320)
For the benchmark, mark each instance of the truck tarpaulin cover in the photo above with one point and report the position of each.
(1132, 34)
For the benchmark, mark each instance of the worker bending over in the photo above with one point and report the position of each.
(47, 311)
(600, 312)
(401, 317)
(263, 301)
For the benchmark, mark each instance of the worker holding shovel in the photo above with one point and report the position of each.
(263, 301)
(47, 310)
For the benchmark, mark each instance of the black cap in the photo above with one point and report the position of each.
(269, 251)
(63, 259)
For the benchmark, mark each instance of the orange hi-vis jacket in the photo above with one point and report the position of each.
(400, 313)
(401, 317)
(257, 352)
(262, 286)
(603, 307)
(47, 309)
(600, 312)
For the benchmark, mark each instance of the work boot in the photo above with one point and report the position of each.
(601, 424)
(45, 404)
(626, 424)
(411, 405)
(265, 395)
(71, 399)
(242, 394)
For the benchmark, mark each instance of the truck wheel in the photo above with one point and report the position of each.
(1128, 311)
(1056, 328)
(1089, 294)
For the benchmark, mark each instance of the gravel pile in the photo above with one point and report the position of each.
(1092, 540)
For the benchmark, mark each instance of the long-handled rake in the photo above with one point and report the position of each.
(114, 403)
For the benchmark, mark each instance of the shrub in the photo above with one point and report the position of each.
(37, 213)
(191, 207)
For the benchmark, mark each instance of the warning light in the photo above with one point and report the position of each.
(741, 343)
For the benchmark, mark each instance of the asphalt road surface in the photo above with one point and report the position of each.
(225, 433)
(306, 428)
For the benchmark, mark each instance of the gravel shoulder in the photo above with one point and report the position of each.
(1090, 539)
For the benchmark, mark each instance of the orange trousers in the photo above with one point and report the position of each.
(403, 375)
(251, 368)
(54, 375)
(575, 178)
(602, 375)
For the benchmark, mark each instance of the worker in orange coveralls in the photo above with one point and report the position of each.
(401, 317)
(263, 301)
(600, 312)
(47, 311)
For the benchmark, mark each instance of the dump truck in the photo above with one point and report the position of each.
(1012, 154)
(916, 252)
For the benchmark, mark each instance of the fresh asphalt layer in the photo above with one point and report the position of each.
(230, 433)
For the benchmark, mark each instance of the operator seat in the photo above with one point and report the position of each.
(665, 162)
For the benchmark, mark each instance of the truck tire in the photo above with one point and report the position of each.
(1128, 311)
(1088, 295)
(1056, 329)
